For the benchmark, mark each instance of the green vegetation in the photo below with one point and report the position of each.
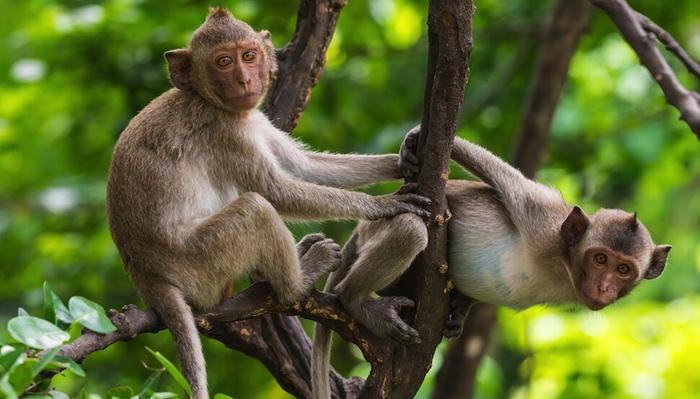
(73, 72)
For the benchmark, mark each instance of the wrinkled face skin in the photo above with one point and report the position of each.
(606, 275)
(237, 73)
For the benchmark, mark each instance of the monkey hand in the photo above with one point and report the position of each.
(409, 164)
(392, 205)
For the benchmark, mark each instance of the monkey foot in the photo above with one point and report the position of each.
(453, 327)
(306, 242)
(381, 316)
(322, 257)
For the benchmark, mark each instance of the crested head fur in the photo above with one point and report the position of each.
(220, 27)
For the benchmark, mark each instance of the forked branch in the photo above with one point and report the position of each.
(640, 33)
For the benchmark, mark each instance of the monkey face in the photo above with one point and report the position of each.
(606, 276)
(238, 74)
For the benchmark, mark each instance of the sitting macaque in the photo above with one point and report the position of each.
(511, 242)
(200, 182)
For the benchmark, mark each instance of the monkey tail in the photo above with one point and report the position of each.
(177, 316)
(321, 353)
(320, 362)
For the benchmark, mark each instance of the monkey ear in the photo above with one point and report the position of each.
(658, 262)
(574, 227)
(270, 50)
(180, 68)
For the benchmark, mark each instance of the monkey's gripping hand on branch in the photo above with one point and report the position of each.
(409, 164)
(400, 202)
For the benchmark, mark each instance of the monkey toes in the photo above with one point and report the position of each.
(381, 316)
(322, 257)
(306, 243)
(453, 327)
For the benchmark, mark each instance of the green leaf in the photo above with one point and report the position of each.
(9, 358)
(21, 376)
(172, 370)
(22, 312)
(58, 395)
(90, 314)
(6, 389)
(222, 396)
(54, 309)
(43, 361)
(150, 385)
(35, 332)
(120, 393)
(70, 364)
(164, 395)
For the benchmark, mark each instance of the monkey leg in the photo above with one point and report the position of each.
(386, 249)
(248, 235)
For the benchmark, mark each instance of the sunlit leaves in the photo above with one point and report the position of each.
(172, 370)
(90, 315)
(35, 332)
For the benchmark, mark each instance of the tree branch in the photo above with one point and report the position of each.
(630, 24)
(559, 40)
(399, 371)
(277, 340)
(230, 323)
(671, 44)
(301, 61)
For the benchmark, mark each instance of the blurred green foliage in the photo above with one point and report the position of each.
(73, 72)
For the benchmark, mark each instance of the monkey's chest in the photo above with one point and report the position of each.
(204, 195)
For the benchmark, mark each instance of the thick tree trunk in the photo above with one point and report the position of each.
(399, 371)
(559, 40)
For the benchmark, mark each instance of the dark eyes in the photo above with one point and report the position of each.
(601, 258)
(249, 56)
(224, 61)
(623, 269)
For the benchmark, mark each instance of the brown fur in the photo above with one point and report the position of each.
(200, 180)
(511, 241)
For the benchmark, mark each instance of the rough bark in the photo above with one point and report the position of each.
(457, 376)
(559, 40)
(301, 61)
(398, 372)
(640, 33)
(239, 324)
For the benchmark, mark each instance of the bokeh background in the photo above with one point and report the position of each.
(73, 72)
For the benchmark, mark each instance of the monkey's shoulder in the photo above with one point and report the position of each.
(168, 124)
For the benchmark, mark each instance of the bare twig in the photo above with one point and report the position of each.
(631, 27)
(671, 44)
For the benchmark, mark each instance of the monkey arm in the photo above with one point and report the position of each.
(334, 170)
(527, 201)
(295, 198)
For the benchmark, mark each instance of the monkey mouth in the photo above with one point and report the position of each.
(593, 304)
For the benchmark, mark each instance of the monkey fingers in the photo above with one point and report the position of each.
(414, 203)
(408, 188)
(307, 241)
(381, 316)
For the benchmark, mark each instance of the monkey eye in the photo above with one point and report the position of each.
(623, 269)
(224, 61)
(601, 258)
(249, 56)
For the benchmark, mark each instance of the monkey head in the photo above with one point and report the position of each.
(610, 253)
(226, 62)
